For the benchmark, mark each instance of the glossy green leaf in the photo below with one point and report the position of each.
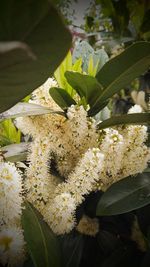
(61, 97)
(67, 64)
(72, 249)
(27, 109)
(37, 26)
(42, 244)
(123, 69)
(85, 85)
(136, 118)
(126, 195)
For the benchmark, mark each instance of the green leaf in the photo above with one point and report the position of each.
(39, 31)
(15, 152)
(72, 249)
(97, 108)
(85, 51)
(100, 57)
(136, 118)
(126, 195)
(61, 97)
(60, 72)
(41, 242)
(4, 141)
(85, 85)
(77, 66)
(28, 263)
(27, 109)
(123, 69)
(137, 16)
(13, 45)
(8, 133)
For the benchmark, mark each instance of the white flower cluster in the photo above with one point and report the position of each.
(11, 234)
(69, 158)
(88, 226)
(60, 211)
(40, 184)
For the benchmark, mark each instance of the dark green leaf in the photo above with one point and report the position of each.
(121, 257)
(41, 242)
(146, 260)
(123, 69)
(126, 195)
(36, 25)
(136, 118)
(61, 97)
(27, 109)
(108, 242)
(72, 248)
(13, 45)
(28, 263)
(97, 108)
(85, 85)
(4, 141)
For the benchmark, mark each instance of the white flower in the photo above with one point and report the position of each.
(80, 181)
(139, 98)
(59, 213)
(39, 184)
(11, 246)
(40, 125)
(41, 95)
(10, 193)
(135, 109)
(112, 146)
(88, 226)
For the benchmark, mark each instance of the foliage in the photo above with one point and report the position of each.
(110, 79)
(29, 61)
(67, 64)
(119, 21)
(15, 152)
(86, 79)
(40, 238)
(126, 195)
(143, 118)
(93, 61)
(26, 109)
(8, 133)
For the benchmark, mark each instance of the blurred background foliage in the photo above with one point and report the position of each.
(114, 25)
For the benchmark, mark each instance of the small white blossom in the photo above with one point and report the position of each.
(135, 109)
(10, 193)
(12, 246)
(59, 213)
(39, 184)
(88, 226)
